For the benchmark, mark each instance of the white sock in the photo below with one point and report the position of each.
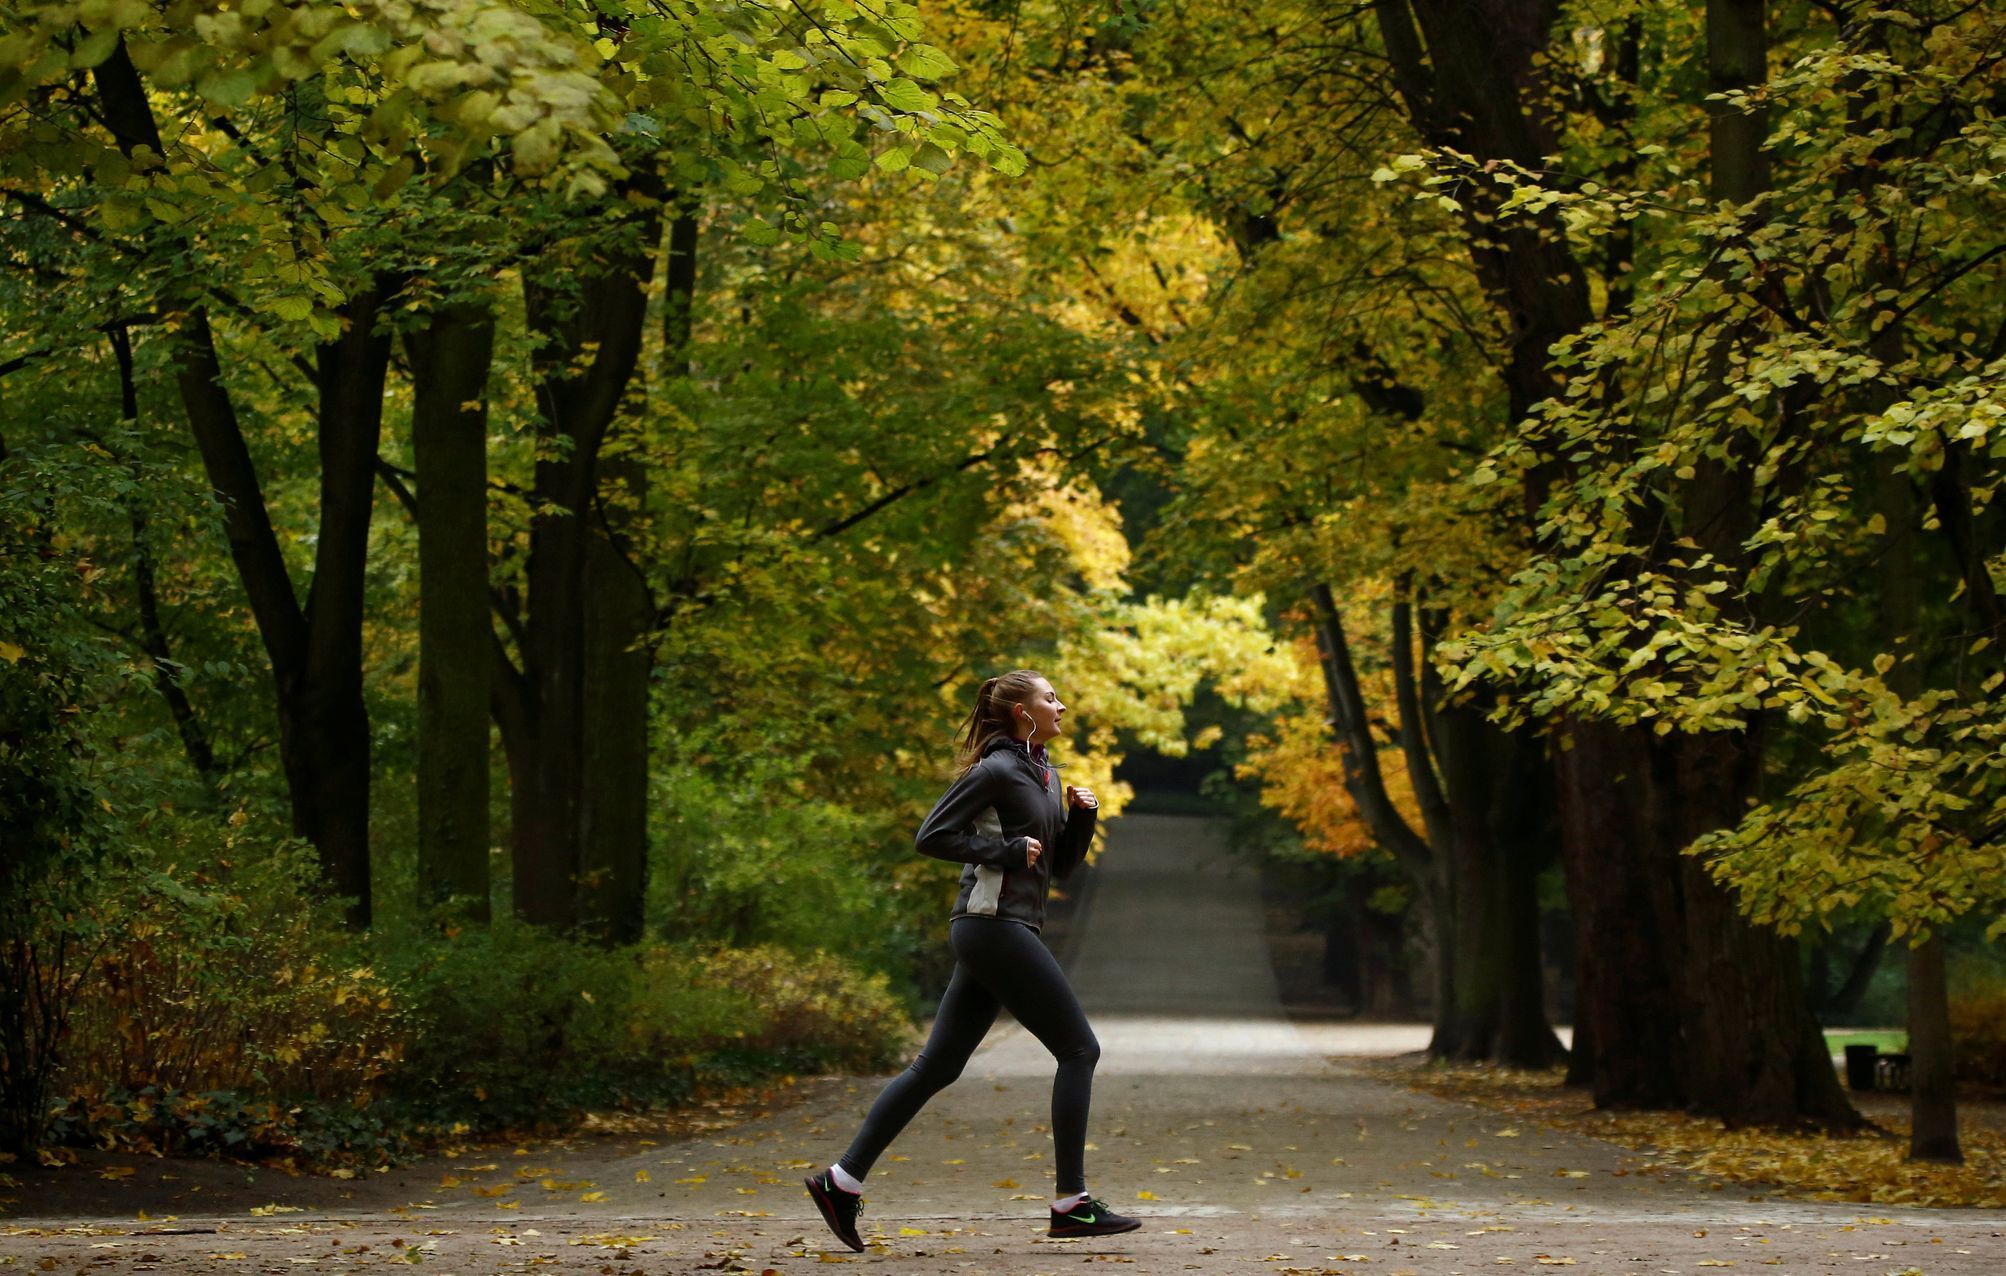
(1062, 1204)
(844, 1180)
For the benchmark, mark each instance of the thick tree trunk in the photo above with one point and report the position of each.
(450, 360)
(1932, 1085)
(620, 615)
(1494, 781)
(1689, 1006)
(604, 323)
(323, 724)
(1627, 1044)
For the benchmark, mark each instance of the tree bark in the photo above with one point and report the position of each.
(1497, 786)
(1932, 1084)
(613, 805)
(620, 658)
(577, 406)
(451, 356)
(323, 723)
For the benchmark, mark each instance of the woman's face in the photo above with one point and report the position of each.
(1037, 718)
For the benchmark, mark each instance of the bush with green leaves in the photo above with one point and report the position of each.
(515, 1024)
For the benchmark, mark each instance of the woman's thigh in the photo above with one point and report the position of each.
(1019, 972)
(967, 1011)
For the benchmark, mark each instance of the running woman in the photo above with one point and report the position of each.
(1007, 820)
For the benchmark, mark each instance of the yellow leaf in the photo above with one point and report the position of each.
(1145, 1196)
(590, 1197)
(640, 1176)
(10, 653)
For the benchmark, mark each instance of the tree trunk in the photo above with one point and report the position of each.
(1494, 781)
(601, 327)
(450, 360)
(1627, 1044)
(324, 740)
(1932, 1085)
(1365, 782)
(620, 659)
(315, 651)
(613, 809)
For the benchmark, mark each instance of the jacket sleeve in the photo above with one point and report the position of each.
(948, 833)
(1074, 841)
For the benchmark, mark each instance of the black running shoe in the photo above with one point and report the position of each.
(1091, 1218)
(840, 1209)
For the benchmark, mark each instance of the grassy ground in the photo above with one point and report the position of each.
(1890, 1040)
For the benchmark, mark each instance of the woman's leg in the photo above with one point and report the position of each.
(1021, 973)
(966, 1011)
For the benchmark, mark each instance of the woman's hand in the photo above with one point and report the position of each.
(1033, 848)
(1084, 799)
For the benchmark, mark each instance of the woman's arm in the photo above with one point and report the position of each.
(948, 832)
(1073, 843)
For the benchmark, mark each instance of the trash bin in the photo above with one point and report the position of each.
(1862, 1062)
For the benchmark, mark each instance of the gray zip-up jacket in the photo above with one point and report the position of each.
(983, 821)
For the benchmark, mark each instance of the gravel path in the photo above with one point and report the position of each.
(1248, 1143)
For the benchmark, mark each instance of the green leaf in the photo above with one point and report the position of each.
(925, 62)
(228, 88)
(904, 95)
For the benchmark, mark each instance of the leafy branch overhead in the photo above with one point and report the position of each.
(315, 111)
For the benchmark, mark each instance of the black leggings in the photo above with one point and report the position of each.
(998, 964)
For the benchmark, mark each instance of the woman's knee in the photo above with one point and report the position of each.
(1086, 1051)
(935, 1074)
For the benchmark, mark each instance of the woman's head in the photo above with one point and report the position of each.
(1019, 704)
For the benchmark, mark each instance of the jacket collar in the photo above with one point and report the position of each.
(1035, 756)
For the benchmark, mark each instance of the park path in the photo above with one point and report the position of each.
(1247, 1142)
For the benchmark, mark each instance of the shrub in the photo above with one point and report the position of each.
(228, 973)
(227, 1008)
(515, 1024)
(1978, 1035)
(805, 1012)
